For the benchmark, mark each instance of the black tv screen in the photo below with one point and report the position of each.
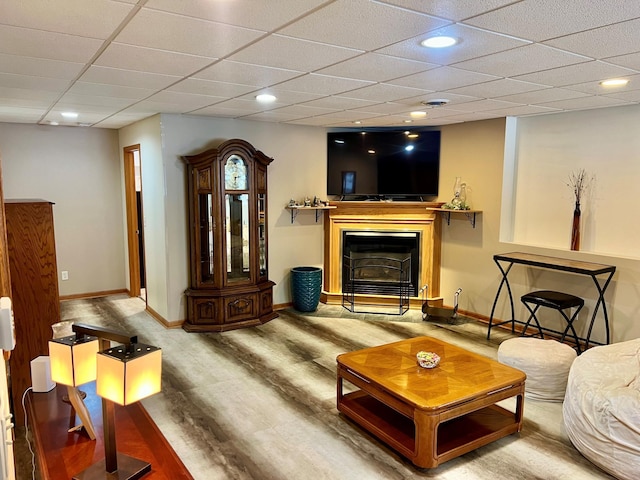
(383, 164)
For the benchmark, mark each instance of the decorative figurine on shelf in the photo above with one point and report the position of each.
(292, 203)
(307, 202)
(316, 202)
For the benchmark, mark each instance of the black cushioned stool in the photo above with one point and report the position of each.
(558, 301)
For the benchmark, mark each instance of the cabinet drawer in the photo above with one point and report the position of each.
(204, 310)
(241, 307)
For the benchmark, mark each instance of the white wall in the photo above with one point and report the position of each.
(606, 144)
(77, 169)
(298, 170)
(147, 134)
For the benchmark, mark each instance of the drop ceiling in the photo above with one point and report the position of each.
(329, 63)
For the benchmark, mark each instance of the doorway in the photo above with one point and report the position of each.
(135, 231)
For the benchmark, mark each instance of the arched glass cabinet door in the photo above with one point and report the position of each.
(237, 220)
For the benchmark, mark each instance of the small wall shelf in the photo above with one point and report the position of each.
(296, 208)
(446, 213)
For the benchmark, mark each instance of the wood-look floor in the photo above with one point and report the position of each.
(260, 403)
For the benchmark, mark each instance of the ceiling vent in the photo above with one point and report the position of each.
(436, 102)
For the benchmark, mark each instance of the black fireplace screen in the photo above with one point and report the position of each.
(383, 260)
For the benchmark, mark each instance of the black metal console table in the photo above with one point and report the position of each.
(594, 270)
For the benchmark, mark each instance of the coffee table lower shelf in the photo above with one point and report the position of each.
(453, 437)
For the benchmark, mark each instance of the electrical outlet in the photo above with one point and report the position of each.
(65, 275)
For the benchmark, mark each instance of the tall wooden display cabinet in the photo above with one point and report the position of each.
(227, 200)
(34, 287)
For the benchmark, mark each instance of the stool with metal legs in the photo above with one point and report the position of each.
(557, 301)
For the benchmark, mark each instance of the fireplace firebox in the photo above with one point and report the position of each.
(380, 262)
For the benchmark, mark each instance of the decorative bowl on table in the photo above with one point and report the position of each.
(428, 359)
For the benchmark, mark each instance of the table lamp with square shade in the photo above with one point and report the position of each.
(124, 374)
(73, 363)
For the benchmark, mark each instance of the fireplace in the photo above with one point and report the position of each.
(380, 262)
(400, 222)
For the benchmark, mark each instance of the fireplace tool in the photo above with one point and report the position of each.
(439, 314)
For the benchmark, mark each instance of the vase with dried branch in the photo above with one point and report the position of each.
(578, 183)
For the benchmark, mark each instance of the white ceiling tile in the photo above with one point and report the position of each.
(246, 74)
(127, 78)
(472, 43)
(631, 60)
(542, 96)
(387, 108)
(39, 44)
(270, 117)
(378, 24)
(498, 88)
(451, 9)
(106, 90)
(207, 87)
(544, 19)
(218, 111)
(9, 80)
(85, 101)
(7, 94)
(322, 84)
(293, 54)
(385, 92)
(524, 110)
(176, 33)
(20, 114)
(94, 19)
(619, 39)
(262, 15)
(594, 88)
(632, 96)
(355, 58)
(187, 101)
(521, 60)
(321, 121)
(443, 78)
(300, 111)
(584, 103)
(452, 98)
(92, 109)
(141, 59)
(376, 68)
(337, 102)
(245, 105)
(485, 105)
(572, 74)
(283, 97)
(39, 67)
(120, 120)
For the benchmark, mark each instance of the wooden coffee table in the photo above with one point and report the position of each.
(429, 415)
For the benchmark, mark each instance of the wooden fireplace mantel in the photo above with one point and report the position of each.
(385, 217)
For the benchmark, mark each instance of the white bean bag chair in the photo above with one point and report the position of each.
(602, 407)
(546, 363)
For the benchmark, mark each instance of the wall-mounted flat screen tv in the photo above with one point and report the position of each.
(383, 164)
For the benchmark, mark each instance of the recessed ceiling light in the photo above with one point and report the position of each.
(408, 121)
(439, 42)
(418, 114)
(614, 82)
(53, 123)
(265, 98)
(69, 114)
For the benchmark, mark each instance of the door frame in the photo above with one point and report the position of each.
(132, 219)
